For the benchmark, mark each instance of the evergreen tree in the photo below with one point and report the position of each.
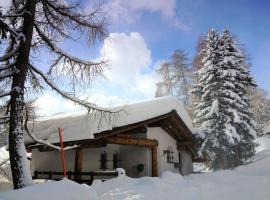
(207, 111)
(222, 110)
(238, 83)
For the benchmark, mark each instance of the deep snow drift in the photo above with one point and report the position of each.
(249, 182)
(52, 190)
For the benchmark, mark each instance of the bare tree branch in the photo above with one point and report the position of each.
(89, 106)
(67, 56)
(39, 141)
(91, 22)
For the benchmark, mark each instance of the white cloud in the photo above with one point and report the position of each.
(130, 76)
(181, 25)
(127, 55)
(130, 63)
(146, 84)
(130, 11)
(49, 104)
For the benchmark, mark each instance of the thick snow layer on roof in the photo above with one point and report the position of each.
(78, 126)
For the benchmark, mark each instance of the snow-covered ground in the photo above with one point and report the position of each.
(53, 190)
(5, 173)
(249, 182)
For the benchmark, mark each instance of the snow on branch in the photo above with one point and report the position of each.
(43, 142)
(40, 141)
(5, 28)
(4, 95)
(9, 54)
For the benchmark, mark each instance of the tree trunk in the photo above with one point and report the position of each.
(20, 171)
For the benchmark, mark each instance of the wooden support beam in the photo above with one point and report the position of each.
(154, 161)
(78, 163)
(185, 143)
(93, 144)
(132, 141)
(124, 135)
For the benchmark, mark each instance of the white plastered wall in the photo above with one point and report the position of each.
(186, 160)
(51, 160)
(164, 140)
(132, 156)
(91, 157)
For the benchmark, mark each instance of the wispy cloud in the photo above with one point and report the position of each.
(130, 11)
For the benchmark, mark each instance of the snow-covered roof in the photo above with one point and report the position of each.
(81, 125)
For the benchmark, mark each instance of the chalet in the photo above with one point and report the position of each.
(145, 139)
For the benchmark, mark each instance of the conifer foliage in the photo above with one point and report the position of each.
(222, 111)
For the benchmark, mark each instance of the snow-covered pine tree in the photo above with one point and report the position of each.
(223, 85)
(238, 83)
(208, 114)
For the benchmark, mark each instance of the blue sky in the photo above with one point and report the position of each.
(145, 32)
(247, 19)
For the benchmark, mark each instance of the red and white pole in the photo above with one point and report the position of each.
(62, 152)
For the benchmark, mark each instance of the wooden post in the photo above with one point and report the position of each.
(78, 164)
(154, 161)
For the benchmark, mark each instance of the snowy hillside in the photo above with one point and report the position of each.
(249, 182)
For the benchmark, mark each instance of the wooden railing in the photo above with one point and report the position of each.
(81, 177)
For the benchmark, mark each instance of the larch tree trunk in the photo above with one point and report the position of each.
(20, 170)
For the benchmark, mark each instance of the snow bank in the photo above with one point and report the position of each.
(248, 182)
(5, 186)
(53, 190)
(5, 172)
(80, 125)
